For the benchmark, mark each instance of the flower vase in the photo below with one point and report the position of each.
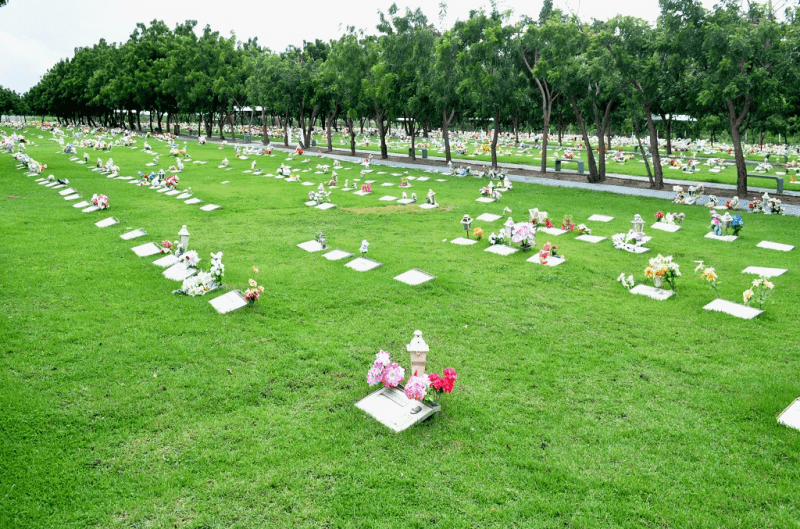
(657, 282)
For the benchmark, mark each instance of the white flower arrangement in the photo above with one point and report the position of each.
(628, 282)
(202, 282)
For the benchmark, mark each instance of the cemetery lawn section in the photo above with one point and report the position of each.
(577, 404)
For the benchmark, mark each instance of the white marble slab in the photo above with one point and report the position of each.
(489, 217)
(105, 223)
(422, 178)
(763, 271)
(308, 183)
(210, 207)
(362, 264)
(594, 239)
(335, 255)
(166, 261)
(361, 193)
(441, 180)
(734, 309)
(81, 204)
(415, 277)
(325, 205)
(51, 184)
(183, 196)
(726, 238)
(388, 198)
(429, 206)
(485, 200)
(310, 246)
(172, 192)
(775, 246)
(601, 218)
(551, 261)
(501, 249)
(652, 292)
(90, 209)
(75, 196)
(146, 250)
(461, 241)
(124, 178)
(791, 415)
(179, 272)
(663, 226)
(229, 302)
(225, 182)
(310, 203)
(45, 183)
(192, 201)
(59, 186)
(552, 231)
(133, 234)
(387, 184)
(393, 409)
(405, 201)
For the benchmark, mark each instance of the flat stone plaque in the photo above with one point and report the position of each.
(75, 196)
(310, 203)
(163, 190)
(362, 264)
(551, 261)
(308, 183)
(166, 261)
(485, 200)
(734, 309)
(441, 180)
(405, 201)
(594, 239)
(726, 238)
(429, 206)
(325, 205)
(489, 217)
(183, 196)
(172, 192)
(59, 186)
(461, 241)
(422, 178)
(651, 292)
(124, 178)
(81, 204)
(411, 178)
(147, 249)
(40, 180)
(335, 255)
(388, 198)
(192, 201)
(361, 193)
(763, 271)
(387, 184)
(105, 223)
(601, 218)
(210, 207)
(51, 184)
(228, 181)
(90, 209)
(391, 407)
(775, 246)
(45, 183)
(791, 415)
(179, 272)
(132, 235)
(501, 249)
(662, 226)
(414, 277)
(552, 231)
(310, 246)
(228, 302)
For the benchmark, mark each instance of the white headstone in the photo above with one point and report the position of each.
(791, 415)
(763, 271)
(651, 292)
(414, 277)
(734, 309)
(601, 218)
(393, 409)
(501, 249)
(105, 223)
(551, 261)
(310, 246)
(166, 261)
(192, 201)
(594, 239)
(210, 207)
(147, 249)
(663, 226)
(133, 234)
(461, 241)
(485, 200)
(388, 198)
(553, 231)
(72, 197)
(335, 255)
(81, 204)
(362, 264)
(775, 246)
(489, 217)
(228, 302)
(179, 272)
(726, 238)
(325, 205)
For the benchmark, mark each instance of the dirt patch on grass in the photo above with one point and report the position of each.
(12, 197)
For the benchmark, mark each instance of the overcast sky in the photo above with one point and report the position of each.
(35, 34)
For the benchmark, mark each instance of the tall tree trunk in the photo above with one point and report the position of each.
(380, 115)
(139, 120)
(265, 137)
(658, 174)
(667, 131)
(638, 132)
(589, 152)
(446, 133)
(286, 128)
(737, 120)
(150, 117)
(351, 130)
(494, 138)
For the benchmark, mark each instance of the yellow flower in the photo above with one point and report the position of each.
(261, 289)
(747, 294)
(255, 269)
(709, 274)
(253, 282)
(649, 273)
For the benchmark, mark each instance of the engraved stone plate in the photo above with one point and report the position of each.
(146, 250)
(734, 309)
(388, 198)
(67, 191)
(335, 255)
(381, 172)
(310, 246)
(775, 246)
(551, 261)
(485, 200)
(166, 261)
(172, 192)
(310, 203)
(163, 190)
(133, 234)
(411, 178)
(90, 209)
(76, 196)
(461, 241)
(393, 409)
(210, 207)
(308, 183)
(489, 217)
(726, 238)
(105, 223)
(791, 415)
(44, 183)
(325, 205)
(552, 231)
(672, 228)
(441, 180)
(651, 292)
(369, 181)
(638, 249)
(423, 179)
(192, 201)
(133, 181)
(179, 272)
(183, 196)
(601, 218)
(501, 249)
(39, 180)
(362, 264)
(414, 277)
(762, 271)
(226, 182)
(228, 302)
(361, 193)
(81, 204)
(405, 201)
(151, 164)
(51, 184)
(59, 186)
(594, 239)
(429, 206)
(125, 178)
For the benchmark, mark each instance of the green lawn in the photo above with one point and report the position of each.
(577, 403)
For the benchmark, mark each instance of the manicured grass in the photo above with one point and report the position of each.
(577, 403)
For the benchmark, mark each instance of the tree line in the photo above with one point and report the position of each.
(732, 68)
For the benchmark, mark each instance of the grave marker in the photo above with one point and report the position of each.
(229, 302)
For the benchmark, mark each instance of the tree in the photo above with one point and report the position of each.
(343, 71)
